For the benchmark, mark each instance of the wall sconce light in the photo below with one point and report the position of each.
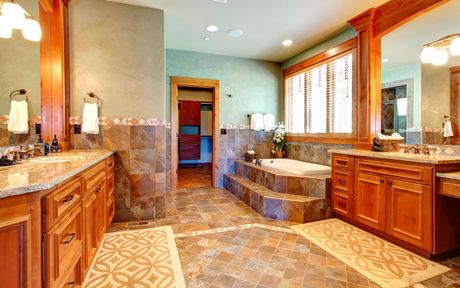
(13, 16)
(436, 52)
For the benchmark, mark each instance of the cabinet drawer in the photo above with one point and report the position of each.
(61, 201)
(450, 188)
(409, 172)
(63, 247)
(342, 203)
(74, 279)
(343, 162)
(93, 177)
(110, 164)
(342, 181)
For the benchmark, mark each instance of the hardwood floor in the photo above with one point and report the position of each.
(195, 177)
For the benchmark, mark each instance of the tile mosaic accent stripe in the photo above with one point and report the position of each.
(118, 121)
(35, 119)
(234, 228)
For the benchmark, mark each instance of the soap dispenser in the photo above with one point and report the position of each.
(54, 145)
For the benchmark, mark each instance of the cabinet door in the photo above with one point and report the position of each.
(101, 204)
(195, 113)
(409, 212)
(185, 112)
(14, 249)
(370, 200)
(89, 229)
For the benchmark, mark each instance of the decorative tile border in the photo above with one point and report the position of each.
(36, 119)
(234, 228)
(125, 121)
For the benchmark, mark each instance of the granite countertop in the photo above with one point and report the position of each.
(449, 175)
(427, 159)
(33, 175)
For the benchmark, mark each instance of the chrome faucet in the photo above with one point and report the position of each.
(258, 160)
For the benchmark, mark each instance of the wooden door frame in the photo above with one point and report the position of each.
(214, 85)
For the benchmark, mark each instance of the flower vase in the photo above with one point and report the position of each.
(279, 154)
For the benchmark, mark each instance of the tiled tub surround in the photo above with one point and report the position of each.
(237, 142)
(312, 152)
(31, 176)
(280, 195)
(140, 167)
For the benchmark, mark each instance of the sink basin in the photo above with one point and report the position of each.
(56, 159)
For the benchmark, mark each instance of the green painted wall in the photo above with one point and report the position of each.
(330, 43)
(255, 85)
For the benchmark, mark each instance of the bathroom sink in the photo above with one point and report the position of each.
(56, 159)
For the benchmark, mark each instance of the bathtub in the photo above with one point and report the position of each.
(296, 167)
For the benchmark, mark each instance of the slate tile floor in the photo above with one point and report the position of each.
(219, 248)
(195, 177)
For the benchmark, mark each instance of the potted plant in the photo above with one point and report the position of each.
(279, 140)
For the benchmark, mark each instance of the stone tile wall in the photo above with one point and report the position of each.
(10, 139)
(313, 152)
(140, 167)
(236, 142)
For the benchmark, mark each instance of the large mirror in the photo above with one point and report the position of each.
(20, 69)
(419, 100)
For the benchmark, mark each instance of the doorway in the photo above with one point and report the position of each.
(194, 133)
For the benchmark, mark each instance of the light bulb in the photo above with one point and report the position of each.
(5, 29)
(440, 57)
(32, 30)
(14, 15)
(428, 54)
(455, 47)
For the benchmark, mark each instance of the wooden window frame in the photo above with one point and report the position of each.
(317, 60)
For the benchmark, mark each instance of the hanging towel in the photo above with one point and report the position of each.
(447, 129)
(269, 122)
(90, 119)
(18, 122)
(257, 121)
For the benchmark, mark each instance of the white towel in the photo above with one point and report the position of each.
(257, 121)
(269, 122)
(448, 129)
(18, 122)
(90, 123)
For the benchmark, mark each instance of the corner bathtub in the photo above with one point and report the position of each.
(296, 167)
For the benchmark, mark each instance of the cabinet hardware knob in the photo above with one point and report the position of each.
(343, 182)
(68, 199)
(381, 180)
(98, 190)
(69, 239)
(390, 182)
(70, 284)
(342, 162)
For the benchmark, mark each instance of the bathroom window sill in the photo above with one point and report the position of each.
(326, 138)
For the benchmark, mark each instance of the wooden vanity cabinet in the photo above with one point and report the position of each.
(391, 198)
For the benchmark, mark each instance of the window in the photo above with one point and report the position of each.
(319, 99)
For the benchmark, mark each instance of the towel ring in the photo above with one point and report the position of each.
(18, 92)
(93, 95)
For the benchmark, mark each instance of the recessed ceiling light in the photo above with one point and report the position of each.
(206, 38)
(220, 1)
(385, 60)
(235, 33)
(212, 28)
(287, 42)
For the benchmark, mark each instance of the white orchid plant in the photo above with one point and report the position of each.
(279, 136)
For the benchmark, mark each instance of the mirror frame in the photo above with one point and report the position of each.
(54, 71)
(371, 26)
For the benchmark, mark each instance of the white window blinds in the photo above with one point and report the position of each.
(320, 100)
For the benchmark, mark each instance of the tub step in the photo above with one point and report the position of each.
(281, 206)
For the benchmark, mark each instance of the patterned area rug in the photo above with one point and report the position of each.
(380, 261)
(136, 258)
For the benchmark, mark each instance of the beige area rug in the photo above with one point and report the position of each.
(380, 261)
(136, 258)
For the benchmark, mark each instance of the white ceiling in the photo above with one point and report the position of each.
(266, 23)
(405, 44)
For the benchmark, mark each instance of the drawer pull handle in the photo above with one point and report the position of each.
(70, 237)
(342, 205)
(70, 284)
(68, 199)
(342, 162)
(98, 190)
(343, 182)
(381, 180)
(390, 182)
